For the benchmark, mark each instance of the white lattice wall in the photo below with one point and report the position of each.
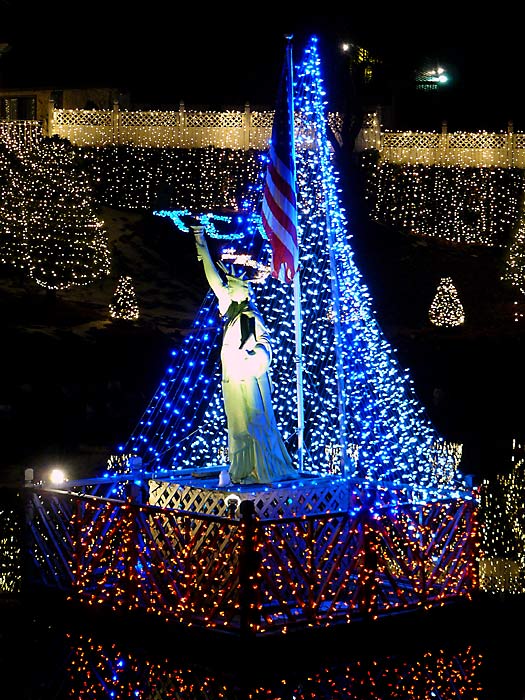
(174, 129)
(298, 498)
(481, 149)
(85, 127)
(252, 130)
(247, 129)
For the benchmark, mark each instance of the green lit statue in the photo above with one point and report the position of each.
(256, 450)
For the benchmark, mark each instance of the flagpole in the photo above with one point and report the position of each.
(297, 276)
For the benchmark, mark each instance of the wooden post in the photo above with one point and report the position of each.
(376, 125)
(182, 124)
(510, 144)
(248, 565)
(129, 519)
(116, 123)
(247, 126)
(443, 144)
(50, 118)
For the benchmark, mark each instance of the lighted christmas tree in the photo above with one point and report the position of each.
(124, 305)
(57, 236)
(13, 218)
(514, 271)
(361, 416)
(446, 308)
(503, 531)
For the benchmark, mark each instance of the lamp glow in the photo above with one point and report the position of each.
(57, 476)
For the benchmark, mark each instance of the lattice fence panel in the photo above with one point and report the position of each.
(262, 120)
(149, 119)
(311, 570)
(410, 140)
(398, 556)
(290, 573)
(314, 572)
(303, 498)
(82, 117)
(190, 499)
(345, 567)
(49, 519)
(162, 544)
(480, 141)
(177, 567)
(103, 536)
(451, 537)
(426, 554)
(228, 120)
(212, 559)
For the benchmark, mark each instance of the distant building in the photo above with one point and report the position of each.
(31, 104)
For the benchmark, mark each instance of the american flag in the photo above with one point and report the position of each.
(279, 203)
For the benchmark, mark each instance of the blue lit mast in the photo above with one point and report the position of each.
(340, 372)
(297, 277)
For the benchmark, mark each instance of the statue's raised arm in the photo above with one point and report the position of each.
(215, 281)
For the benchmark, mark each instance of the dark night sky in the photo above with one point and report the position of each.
(165, 52)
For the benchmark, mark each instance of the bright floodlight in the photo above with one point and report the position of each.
(432, 78)
(57, 476)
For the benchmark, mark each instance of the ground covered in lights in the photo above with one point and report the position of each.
(76, 382)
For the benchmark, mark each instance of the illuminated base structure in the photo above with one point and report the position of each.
(308, 554)
(379, 521)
